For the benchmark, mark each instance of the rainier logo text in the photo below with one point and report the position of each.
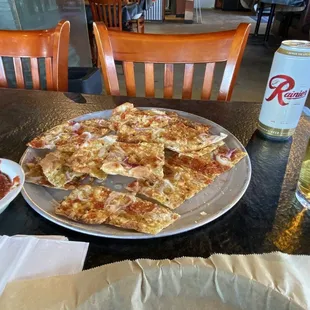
(282, 84)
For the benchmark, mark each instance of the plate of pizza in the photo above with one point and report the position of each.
(135, 173)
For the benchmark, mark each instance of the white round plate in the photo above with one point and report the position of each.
(203, 208)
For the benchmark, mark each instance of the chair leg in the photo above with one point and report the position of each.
(259, 18)
(268, 28)
(140, 25)
(93, 46)
(288, 23)
(196, 10)
(200, 15)
(142, 28)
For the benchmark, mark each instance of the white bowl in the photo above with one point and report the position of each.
(12, 170)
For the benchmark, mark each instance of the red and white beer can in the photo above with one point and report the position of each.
(287, 90)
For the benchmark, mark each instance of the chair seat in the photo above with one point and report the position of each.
(286, 8)
(137, 16)
(281, 8)
(139, 22)
(114, 28)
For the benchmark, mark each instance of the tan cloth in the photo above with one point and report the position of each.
(268, 281)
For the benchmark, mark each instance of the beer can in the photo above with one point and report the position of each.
(286, 91)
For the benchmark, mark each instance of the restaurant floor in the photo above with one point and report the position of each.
(255, 67)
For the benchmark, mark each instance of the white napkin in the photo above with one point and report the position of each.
(29, 257)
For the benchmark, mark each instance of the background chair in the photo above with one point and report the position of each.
(107, 11)
(110, 13)
(39, 50)
(210, 48)
(138, 20)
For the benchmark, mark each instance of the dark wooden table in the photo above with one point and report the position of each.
(267, 218)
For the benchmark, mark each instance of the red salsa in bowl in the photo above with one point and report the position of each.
(6, 184)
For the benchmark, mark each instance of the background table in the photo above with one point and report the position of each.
(267, 218)
(287, 6)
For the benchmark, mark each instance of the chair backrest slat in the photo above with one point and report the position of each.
(94, 10)
(34, 67)
(30, 46)
(102, 13)
(3, 79)
(48, 70)
(115, 14)
(110, 8)
(209, 48)
(188, 81)
(207, 81)
(149, 80)
(129, 73)
(19, 75)
(168, 81)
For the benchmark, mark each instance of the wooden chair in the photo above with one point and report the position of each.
(110, 13)
(32, 45)
(107, 11)
(139, 22)
(188, 49)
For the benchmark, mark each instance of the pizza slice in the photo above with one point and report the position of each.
(179, 136)
(69, 142)
(185, 176)
(204, 151)
(127, 114)
(99, 205)
(89, 157)
(48, 139)
(198, 127)
(122, 114)
(182, 138)
(70, 135)
(85, 204)
(97, 127)
(131, 212)
(35, 175)
(141, 161)
(211, 165)
(56, 169)
(129, 134)
(178, 185)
